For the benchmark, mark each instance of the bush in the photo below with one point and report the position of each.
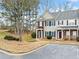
(33, 35)
(49, 37)
(11, 38)
(77, 39)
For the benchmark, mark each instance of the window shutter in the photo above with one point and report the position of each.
(54, 23)
(75, 22)
(58, 22)
(67, 22)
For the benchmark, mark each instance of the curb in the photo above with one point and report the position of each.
(21, 53)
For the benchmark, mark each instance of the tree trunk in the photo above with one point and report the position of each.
(18, 29)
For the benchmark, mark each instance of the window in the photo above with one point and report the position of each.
(46, 33)
(49, 23)
(58, 22)
(40, 23)
(53, 34)
(71, 22)
(53, 23)
(49, 33)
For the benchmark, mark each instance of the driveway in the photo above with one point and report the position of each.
(51, 51)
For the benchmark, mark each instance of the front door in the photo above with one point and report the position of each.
(60, 34)
(39, 34)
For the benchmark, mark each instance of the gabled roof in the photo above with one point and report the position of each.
(71, 14)
(47, 15)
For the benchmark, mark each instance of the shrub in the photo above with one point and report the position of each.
(49, 37)
(77, 39)
(33, 35)
(11, 38)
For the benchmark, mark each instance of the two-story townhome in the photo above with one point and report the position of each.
(59, 25)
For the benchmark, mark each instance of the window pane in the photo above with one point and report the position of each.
(53, 34)
(49, 33)
(52, 23)
(49, 23)
(58, 22)
(46, 23)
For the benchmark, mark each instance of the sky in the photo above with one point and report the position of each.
(55, 5)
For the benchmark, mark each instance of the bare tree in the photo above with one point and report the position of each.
(16, 8)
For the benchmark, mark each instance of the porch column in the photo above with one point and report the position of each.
(77, 32)
(69, 34)
(44, 29)
(62, 34)
(56, 35)
(44, 34)
(41, 34)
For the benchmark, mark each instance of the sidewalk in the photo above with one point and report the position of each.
(65, 42)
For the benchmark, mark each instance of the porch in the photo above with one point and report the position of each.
(39, 33)
(70, 34)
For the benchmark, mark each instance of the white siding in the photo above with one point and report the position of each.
(50, 28)
(77, 21)
(64, 22)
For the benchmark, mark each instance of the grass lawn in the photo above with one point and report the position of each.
(25, 45)
(3, 34)
(26, 37)
(28, 43)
